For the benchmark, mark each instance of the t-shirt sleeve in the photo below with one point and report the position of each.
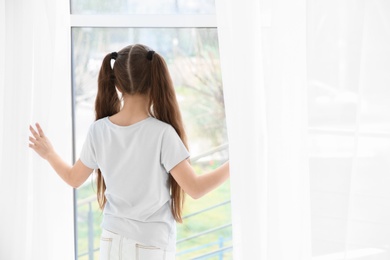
(173, 151)
(88, 153)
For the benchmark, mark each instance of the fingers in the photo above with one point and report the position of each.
(39, 134)
(32, 146)
(40, 131)
(33, 141)
(34, 133)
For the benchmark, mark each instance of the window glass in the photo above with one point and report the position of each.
(193, 59)
(143, 7)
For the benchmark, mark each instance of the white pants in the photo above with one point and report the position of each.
(116, 247)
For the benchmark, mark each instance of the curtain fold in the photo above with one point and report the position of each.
(263, 57)
(37, 207)
(239, 42)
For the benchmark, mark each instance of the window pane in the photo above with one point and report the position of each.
(193, 59)
(143, 7)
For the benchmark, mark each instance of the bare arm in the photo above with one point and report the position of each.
(198, 185)
(73, 175)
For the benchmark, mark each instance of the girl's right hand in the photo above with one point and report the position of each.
(40, 143)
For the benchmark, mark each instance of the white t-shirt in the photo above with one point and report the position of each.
(135, 162)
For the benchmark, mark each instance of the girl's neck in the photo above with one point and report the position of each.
(135, 108)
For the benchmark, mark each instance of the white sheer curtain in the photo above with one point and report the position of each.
(36, 206)
(264, 76)
(307, 101)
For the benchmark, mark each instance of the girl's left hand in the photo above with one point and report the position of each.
(40, 143)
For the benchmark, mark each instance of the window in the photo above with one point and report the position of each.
(184, 33)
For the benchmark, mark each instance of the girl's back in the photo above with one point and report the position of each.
(135, 161)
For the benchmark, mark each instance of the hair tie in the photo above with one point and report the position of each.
(149, 56)
(114, 55)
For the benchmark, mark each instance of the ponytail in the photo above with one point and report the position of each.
(107, 103)
(164, 107)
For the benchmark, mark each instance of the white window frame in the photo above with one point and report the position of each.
(144, 21)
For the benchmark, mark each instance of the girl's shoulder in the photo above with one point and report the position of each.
(160, 126)
(158, 123)
(96, 125)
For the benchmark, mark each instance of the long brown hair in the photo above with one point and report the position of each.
(139, 70)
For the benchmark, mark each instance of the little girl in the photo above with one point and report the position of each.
(138, 149)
